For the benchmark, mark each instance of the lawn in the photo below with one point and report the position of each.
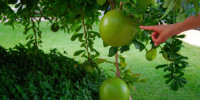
(155, 87)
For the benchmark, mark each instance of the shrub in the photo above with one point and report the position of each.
(25, 75)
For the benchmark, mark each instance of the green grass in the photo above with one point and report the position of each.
(155, 87)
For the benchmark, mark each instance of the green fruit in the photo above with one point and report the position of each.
(151, 54)
(54, 27)
(114, 89)
(116, 29)
(166, 52)
(88, 67)
(100, 2)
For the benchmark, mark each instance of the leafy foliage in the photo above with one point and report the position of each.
(170, 51)
(25, 75)
(74, 15)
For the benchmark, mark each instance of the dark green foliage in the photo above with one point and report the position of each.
(175, 69)
(25, 75)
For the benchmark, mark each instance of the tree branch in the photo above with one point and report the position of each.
(112, 3)
(117, 66)
(86, 42)
(34, 31)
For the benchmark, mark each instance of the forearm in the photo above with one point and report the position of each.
(192, 22)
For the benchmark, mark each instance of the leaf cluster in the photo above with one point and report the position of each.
(175, 69)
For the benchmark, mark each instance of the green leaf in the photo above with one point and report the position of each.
(100, 61)
(122, 61)
(166, 3)
(181, 17)
(78, 52)
(168, 80)
(30, 42)
(144, 4)
(139, 45)
(127, 8)
(29, 36)
(105, 45)
(168, 75)
(18, 88)
(100, 2)
(181, 36)
(170, 7)
(46, 17)
(78, 28)
(143, 80)
(131, 86)
(161, 66)
(84, 55)
(75, 36)
(183, 80)
(83, 45)
(112, 51)
(174, 85)
(24, 95)
(134, 77)
(95, 33)
(196, 6)
(124, 48)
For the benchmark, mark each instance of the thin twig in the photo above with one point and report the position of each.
(34, 31)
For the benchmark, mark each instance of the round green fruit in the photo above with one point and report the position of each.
(151, 54)
(54, 27)
(116, 29)
(114, 89)
(87, 67)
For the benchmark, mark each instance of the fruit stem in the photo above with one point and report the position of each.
(117, 66)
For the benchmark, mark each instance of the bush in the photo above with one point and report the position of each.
(25, 75)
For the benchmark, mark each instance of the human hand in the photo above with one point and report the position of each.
(162, 32)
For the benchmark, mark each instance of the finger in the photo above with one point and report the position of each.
(160, 39)
(152, 28)
(154, 36)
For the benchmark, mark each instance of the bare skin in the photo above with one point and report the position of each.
(162, 32)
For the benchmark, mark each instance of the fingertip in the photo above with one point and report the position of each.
(155, 44)
(141, 27)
